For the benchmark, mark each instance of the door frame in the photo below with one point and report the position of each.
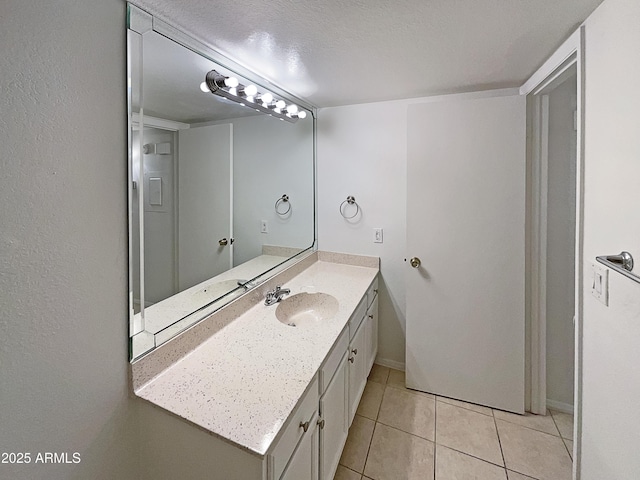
(551, 73)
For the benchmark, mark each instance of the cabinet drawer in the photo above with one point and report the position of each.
(293, 431)
(372, 293)
(358, 315)
(333, 360)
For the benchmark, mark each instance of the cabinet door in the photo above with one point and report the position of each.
(372, 333)
(303, 464)
(357, 369)
(334, 421)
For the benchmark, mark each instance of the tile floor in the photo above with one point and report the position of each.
(402, 434)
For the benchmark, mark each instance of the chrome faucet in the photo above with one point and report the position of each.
(274, 296)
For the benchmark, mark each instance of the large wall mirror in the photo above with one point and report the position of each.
(221, 184)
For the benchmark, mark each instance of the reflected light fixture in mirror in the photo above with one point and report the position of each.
(215, 182)
(230, 88)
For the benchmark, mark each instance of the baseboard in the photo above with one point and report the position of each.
(385, 362)
(560, 406)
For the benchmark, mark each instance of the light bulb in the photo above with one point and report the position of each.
(302, 114)
(231, 82)
(266, 98)
(280, 104)
(292, 109)
(233, 91)
(204, 88)
(250, 90)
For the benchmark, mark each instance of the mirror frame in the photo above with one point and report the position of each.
(139, 22)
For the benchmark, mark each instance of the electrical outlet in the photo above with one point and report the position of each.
(264, 227)
(377, 235)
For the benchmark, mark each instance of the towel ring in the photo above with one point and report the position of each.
(351, 200)
(280, 201)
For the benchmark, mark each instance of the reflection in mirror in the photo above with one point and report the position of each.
(220, 193)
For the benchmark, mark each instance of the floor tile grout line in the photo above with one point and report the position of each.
(435, 433)
(465, 408)
(375, 425)
(495, 424)
(472, 456)
(520, 473)
(561, 437)
(529, 428)
(350, 469)
(408, 433)
(405, 432)
(554, 423)
(415, 392)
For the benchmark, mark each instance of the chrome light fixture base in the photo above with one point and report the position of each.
(217, 84)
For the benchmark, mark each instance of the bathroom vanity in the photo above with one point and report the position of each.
(276, 399)
(222, 210)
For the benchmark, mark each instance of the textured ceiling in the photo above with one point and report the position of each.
(337, 52)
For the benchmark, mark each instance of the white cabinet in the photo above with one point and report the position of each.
(297, 432)
(334, 421)
(312, 441)
(357, 369)
(371, 331)
(303, 465)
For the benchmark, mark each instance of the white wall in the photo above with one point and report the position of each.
(611, 353)
(362, 151)
(159, 220)
(63, 240)
(561, 227)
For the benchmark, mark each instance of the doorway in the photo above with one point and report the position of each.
(561, 105)
(554, 247)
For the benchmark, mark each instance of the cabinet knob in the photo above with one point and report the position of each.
(370, 316)
(304, 426)
(375, 290)
(352, 359)
(354, 351)
(321, 423)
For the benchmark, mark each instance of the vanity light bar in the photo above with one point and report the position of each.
(249, 96)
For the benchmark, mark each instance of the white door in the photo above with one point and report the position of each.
(204, 203)
(466, 223)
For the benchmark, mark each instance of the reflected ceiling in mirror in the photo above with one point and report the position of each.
(172, 78)
(221, 195)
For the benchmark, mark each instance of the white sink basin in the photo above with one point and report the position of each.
(303, 309)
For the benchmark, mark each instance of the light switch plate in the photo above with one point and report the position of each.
(264, 226)
(155, 191)
(600, 283)
(377, 235)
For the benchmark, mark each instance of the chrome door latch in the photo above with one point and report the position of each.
(625, 260)
(622, 263)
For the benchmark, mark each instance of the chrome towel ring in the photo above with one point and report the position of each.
(351, 200)
(284, 199)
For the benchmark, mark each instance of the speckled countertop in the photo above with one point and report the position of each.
(243, 383)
